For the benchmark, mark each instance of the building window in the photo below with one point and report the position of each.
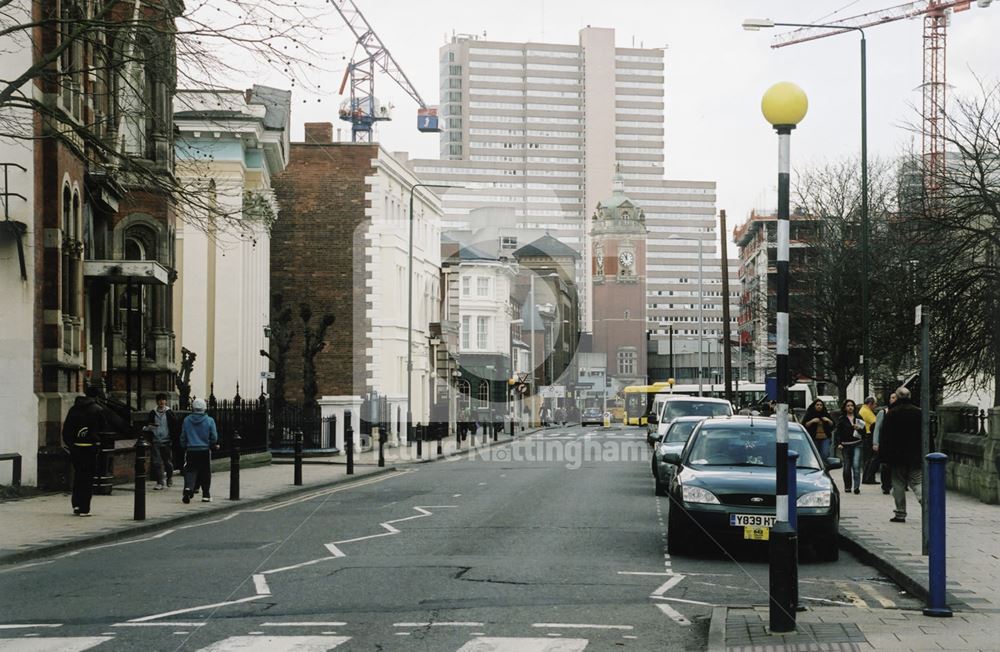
(508, 242)
(626, 362)
(465, 332)
(484, 393)
(466, 285)
(482, 332)
(482, 286)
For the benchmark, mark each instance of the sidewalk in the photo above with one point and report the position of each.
(45, 525)
(973, 564)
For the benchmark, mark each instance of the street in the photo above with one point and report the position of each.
(554, 542)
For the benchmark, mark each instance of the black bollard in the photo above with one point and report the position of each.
(382, 436)
(234, 467)
(439, 436)
(493, 425)
(349, 442)
(416, 433)
(139, 511)
(298, 458)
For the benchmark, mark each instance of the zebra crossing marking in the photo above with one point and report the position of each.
(52, 643)
(276, 644)
(512, 644)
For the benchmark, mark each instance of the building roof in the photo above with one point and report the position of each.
(618, 196)
(276, 102)
(547, 246)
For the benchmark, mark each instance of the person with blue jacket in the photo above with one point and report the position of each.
(198, 437)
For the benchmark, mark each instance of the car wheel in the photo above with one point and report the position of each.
(678, 533)
(827, 550)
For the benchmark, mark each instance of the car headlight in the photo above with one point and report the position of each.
(698, 495)
(814, 499)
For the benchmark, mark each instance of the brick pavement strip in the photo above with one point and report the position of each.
(974, 588)
(45, 525)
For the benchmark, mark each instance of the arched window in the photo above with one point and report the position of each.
(484, 393)
(464, 394)
(69, 202)
(136, 310)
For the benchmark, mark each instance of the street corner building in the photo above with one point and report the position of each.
(341, 248)
(86, 249)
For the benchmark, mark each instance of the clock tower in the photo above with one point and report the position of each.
(618, 240)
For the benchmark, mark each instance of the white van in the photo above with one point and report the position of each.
(679, 405)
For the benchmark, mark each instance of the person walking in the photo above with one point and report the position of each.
(162, 426)
(867, 414)
(885, 476)
(819, 425)
(84, 423)
(850, 431)
(901, 448)
(198, 437)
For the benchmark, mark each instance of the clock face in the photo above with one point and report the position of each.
(626, 258)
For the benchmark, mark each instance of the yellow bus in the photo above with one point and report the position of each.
(639, 401)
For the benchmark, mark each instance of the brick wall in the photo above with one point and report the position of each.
(315, 258)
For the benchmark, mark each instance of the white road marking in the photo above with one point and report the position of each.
(666, 586)
(199, 608)
(581, 626)
(277, 644)
(402, 633)
(161, 624)
(628, 636)
(439, 624)
(52, 644)
(664, 597)
(260, 584)
(456, 495)
(506, 644)
(305, 624)
(674, 615)
(846, 604)
(32, 626)
(641, 573)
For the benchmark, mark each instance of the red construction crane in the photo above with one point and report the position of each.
(363, 109)
(936, 14)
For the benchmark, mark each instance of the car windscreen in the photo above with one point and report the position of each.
(680, 431)
(744, 445)
(674, 409)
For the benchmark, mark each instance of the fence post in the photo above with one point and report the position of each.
(382, 436)
(439, 436)
(298, 457)
(982, 423)
(234, 467)
(139, 508)
(349, 442)
(937, 605)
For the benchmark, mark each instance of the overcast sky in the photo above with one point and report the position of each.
(715, 75)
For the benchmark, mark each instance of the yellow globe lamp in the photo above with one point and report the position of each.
(784, 104)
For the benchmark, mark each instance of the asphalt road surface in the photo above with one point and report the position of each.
(553, 543)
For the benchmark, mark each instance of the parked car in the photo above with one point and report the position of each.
(674, 406)
(723, 487)
(672, 442)
(591, 415)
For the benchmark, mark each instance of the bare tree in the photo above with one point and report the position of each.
(101, 75)
(826, 306)
(953, 225)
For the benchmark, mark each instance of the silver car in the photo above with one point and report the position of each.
(673, 441)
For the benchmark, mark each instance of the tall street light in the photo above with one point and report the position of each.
(784, 105)
(753, 25)
(409, 315)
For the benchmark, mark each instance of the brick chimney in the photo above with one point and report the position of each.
(319, 132)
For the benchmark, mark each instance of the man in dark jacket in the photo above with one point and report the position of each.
(900, 447)
(84, 423)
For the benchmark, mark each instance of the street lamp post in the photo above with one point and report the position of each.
(754, 24)
(784, 105)
(409, 315)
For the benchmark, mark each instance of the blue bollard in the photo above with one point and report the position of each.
(936, 572)
(793, 512)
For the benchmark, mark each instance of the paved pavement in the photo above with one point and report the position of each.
(973, 563)
(46, 524)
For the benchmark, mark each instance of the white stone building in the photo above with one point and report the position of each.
(232, 142)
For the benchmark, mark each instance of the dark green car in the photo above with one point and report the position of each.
(723, 489)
